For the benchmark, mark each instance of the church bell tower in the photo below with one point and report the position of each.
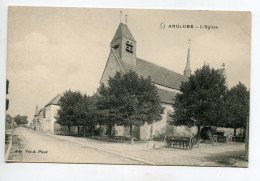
(124, 44)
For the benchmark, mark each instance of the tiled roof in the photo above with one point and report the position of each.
(166, 96)
(123, 31)
(54, 101)
(158, 74)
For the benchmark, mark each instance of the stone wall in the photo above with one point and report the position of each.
(157, 129)
(58, 129)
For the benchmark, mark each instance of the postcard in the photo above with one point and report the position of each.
(128, 86)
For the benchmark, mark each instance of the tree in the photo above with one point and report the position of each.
(21, 120)
(131, 100)
(79, 116)
(88, 111)
(237, 107)
(106, 114)
(67, 114)
(8, 121)
(201, 100)
(99, 114)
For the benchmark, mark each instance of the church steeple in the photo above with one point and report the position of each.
(222, 71)
(124, 43)
(36, 111)
(187, 70)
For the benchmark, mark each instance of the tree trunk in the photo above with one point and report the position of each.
(198, 134)
(69, 129)
(100, 131)
(93, 131)
(235, 131)
(84, 131)
(244, 135)
(132, 135)
(109, 131)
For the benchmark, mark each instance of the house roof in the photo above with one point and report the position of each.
(54, 101)
(158, 74)
(40, 110)
(166, 96)
(123, 31)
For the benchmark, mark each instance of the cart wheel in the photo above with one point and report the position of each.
(229, 139)
(214, 140)
(190, 146)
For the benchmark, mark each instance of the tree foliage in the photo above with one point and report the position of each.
(131, 100)
(81, 110)
(67, 114)
(8, 118)
(237, 106)
(201, 99)
(21, 120)
(99, 114)
(89, 112)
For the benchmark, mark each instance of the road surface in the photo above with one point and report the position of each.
(32, 146)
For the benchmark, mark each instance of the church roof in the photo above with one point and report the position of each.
(123, 31)
(54, 101)
(166, 96)
(158, 74)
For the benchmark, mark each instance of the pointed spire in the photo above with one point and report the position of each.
(222, 71)
(187, 70)
(223, 65)
(123, 45)
(36, 111)
(120, 16)
(123, 31)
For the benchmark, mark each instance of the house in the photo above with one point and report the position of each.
(35, 119)
(44, 119)
(50, 113)
(123, 58)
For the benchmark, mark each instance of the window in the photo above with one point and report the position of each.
(130, 46)
(116, 46)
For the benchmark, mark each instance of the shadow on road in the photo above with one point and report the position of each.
(229, 158)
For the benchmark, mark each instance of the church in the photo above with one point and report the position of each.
(122, 57)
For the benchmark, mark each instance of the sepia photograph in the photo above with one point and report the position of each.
(128, 86)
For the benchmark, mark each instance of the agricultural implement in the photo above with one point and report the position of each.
(181, 142)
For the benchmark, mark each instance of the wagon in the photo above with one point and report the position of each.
(180, 142)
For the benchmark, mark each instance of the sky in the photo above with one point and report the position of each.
(51, 50)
